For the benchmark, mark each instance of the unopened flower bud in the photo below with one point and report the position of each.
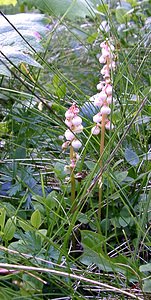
(109, 100)
(68, 123)
(102, 96)
(69, 114)
(97, 118)
(109, 90)
(65, 145)
(105, 110)
(102, 60)
(76, 121)
(76, 144)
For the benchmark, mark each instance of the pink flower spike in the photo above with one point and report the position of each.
(95, 130)
(105, 110)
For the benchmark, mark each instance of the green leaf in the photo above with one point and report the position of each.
(120, 176)
(122, 15)
(36, 219)
(24, 225)
(9, 229)
(2, 217)
(131, 157)
(50, 201)
(70, 8)
(147, 286)
(145, 268)
(14, 49)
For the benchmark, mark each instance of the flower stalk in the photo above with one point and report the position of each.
(103, 99)
(74, 123)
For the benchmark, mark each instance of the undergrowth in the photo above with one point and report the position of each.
(52, 248)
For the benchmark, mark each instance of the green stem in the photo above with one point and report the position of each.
(72, 178)
(101, 163)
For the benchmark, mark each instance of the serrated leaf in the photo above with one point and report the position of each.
(36, 219)
(9, 229)
(131, 157)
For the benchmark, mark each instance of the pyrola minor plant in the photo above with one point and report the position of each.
(103, 99)
(74, 123)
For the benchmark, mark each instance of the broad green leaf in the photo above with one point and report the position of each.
(14, 49)
(8, 2)
(50, 201)
(93, 254)
(145, 268)
(36, 219)
(122, 15)
(70, 8)
(24, 225)
(9, 229)
(120, 176)
(131, 157)
(147, 286)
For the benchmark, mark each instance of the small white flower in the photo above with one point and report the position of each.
(100, 85)
(65, 145)
(109, 126)
(95, 130)
(69, 135)
(78, 129)
(76, 144)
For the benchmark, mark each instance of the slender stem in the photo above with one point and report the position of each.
(101, 163)
(72, 178)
